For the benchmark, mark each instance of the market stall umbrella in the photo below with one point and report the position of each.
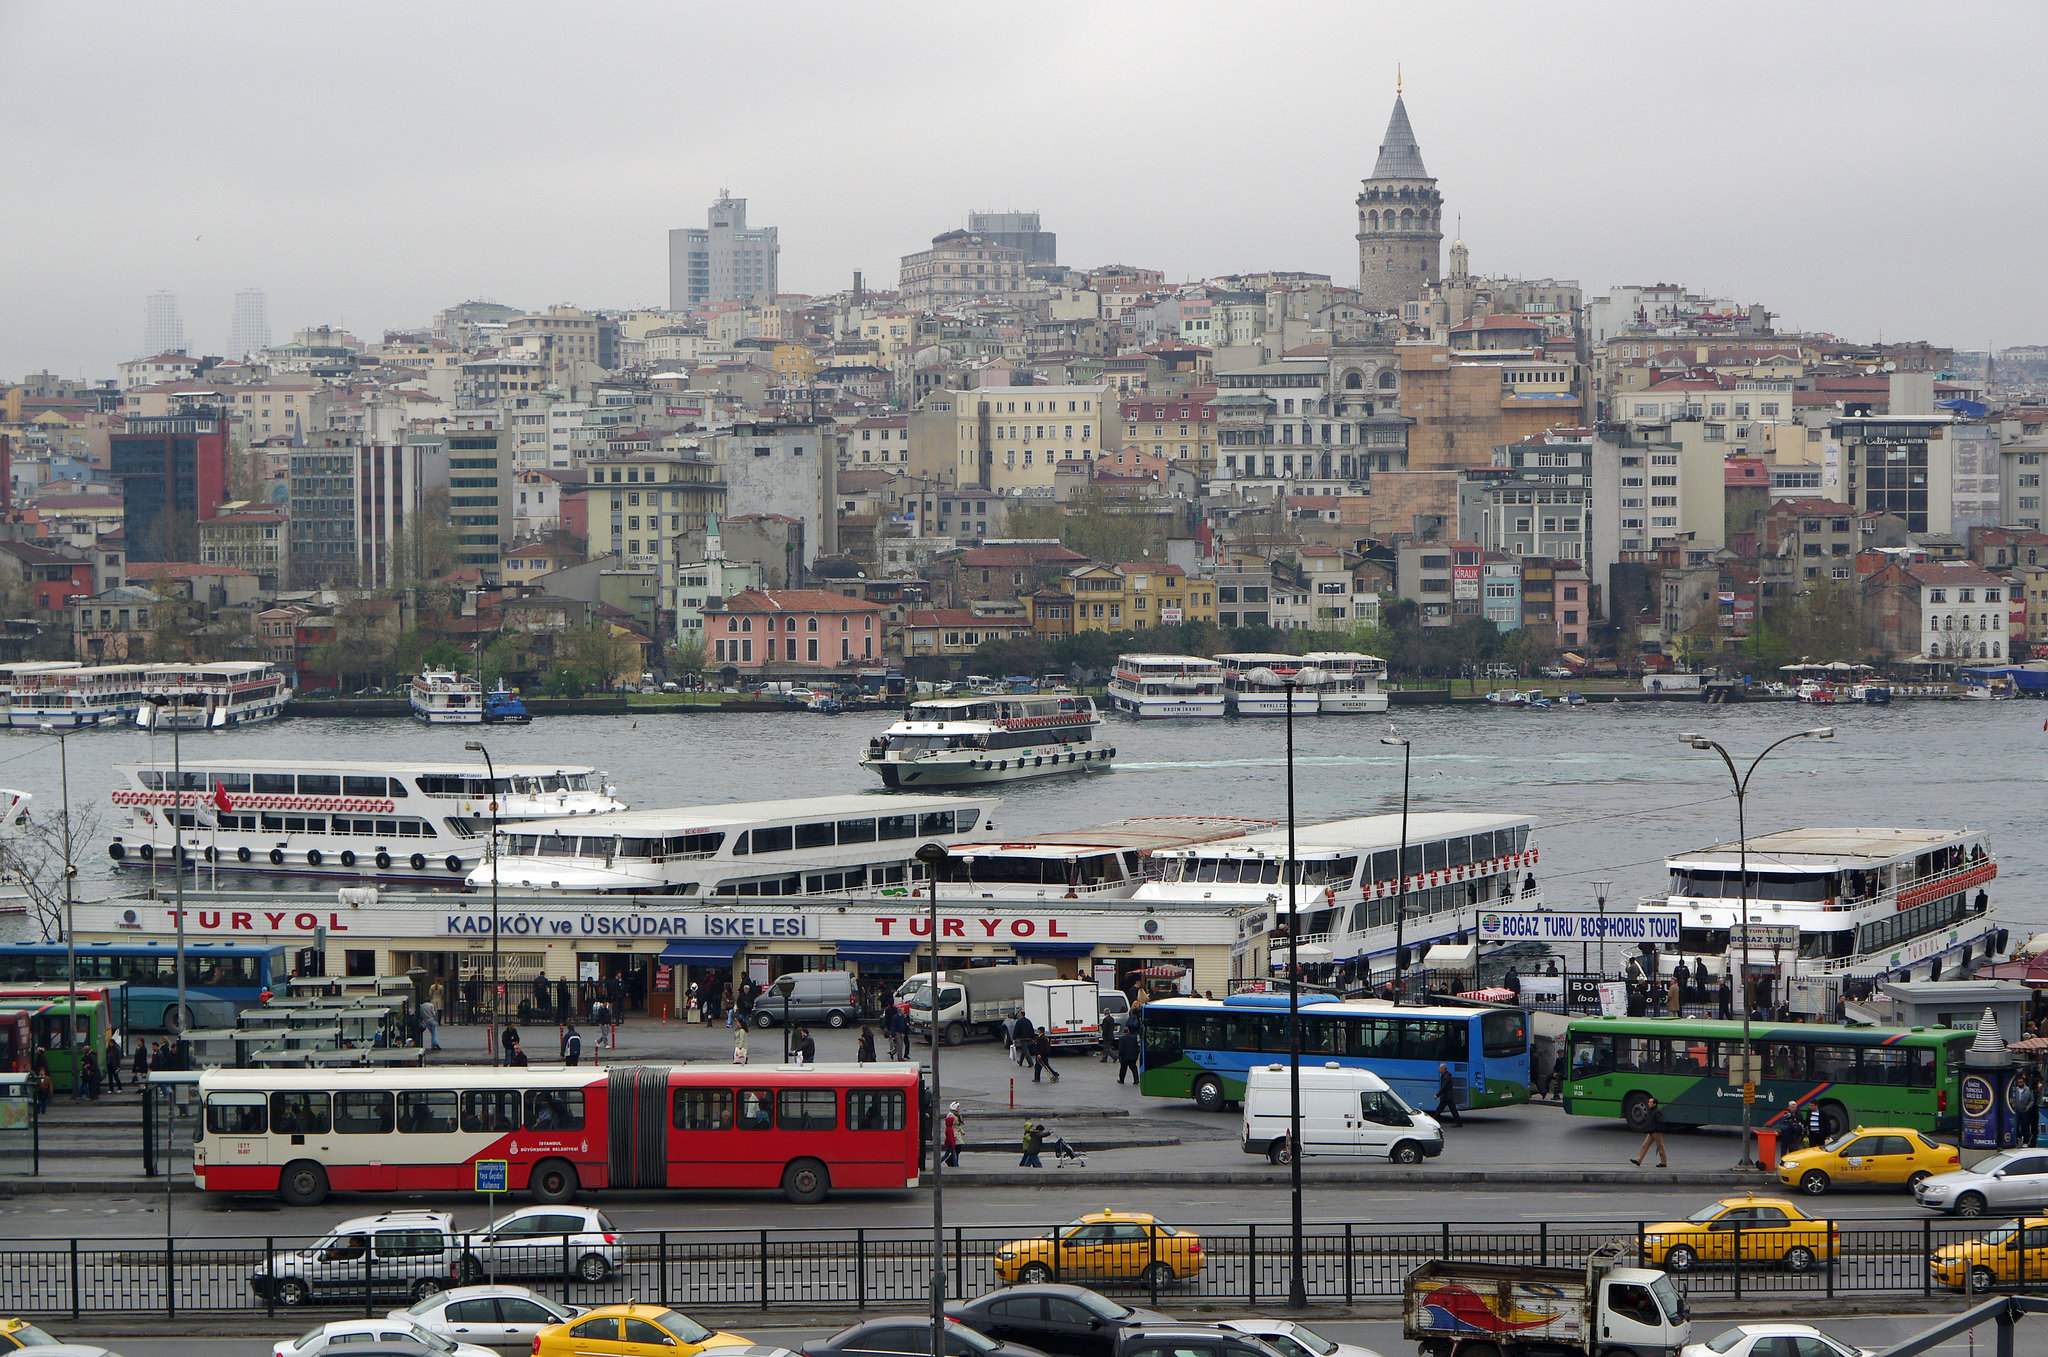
(1309, 951)
(1163, 972)
(1492, 994)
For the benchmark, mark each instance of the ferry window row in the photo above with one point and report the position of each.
(1813, 946)
(820, 883)
(381, 1111)
(789, 1109)
(596, 846)
(277, 784)
(1713, 883)
(1899, 1067)
(237, 972)
(1422, 904)
(449, 784)
(827, 833)
(320, 824)
(1441, 854)
(1894, 929)
(1168, 1033)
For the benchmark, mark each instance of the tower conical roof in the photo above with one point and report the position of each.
(1400, 157)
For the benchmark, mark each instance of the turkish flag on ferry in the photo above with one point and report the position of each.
(220, 797)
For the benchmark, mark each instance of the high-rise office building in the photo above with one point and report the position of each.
(722, 261)
(162, 330)
(1019, 231)
(173, 474)
(251, 330)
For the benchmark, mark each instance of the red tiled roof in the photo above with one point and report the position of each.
(1942, 574)
(797, 600)
(967, 617)
(1149, 568)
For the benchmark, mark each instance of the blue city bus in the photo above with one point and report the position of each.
(221, 978)
(1201, 1048)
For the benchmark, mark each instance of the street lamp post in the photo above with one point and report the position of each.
(491, 772)
(1741, 781)
(1600, 903)
(70, 872)
(151, 715)
(1297, 1286)
(1401, 870)
(931, 855)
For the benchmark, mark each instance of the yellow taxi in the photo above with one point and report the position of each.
(2017, 1252)
(1887, 1156)
(630, 1331)
(1770, 1229)
(1116, 1245)
(19, 1333)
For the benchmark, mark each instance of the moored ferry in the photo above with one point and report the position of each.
(421, 823)
(821, 845)
(1108, 862)
(967, 741)
(442, 697)
(244, 691)
(1255, 684)
(1891, 903)
(1351, 682)
(1350, 880)
(75, 696)
(1167, 685)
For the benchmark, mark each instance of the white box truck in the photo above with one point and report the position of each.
(1067, 1011)
(1507, 1310)
(1344, 1112)
(973, 1002)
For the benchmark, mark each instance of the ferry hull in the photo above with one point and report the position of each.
(1273, 704)
(71, 720)
(1146, 709)
(1002, 766)
(1351, 704)
(441, 716)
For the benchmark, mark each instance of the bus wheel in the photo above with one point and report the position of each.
(303, 1183)
(553, 1182)
(1278, 1153)
(1208, 1093)
(1407, 1152)
(176, 1019)
(805, 1182)
(1635, 1110)
(1813, 1182)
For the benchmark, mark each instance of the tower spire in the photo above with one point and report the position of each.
(1397, 79)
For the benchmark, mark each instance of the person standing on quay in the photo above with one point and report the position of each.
(1128, 1050)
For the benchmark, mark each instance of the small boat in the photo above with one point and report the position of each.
(443, 697)
(1508, 697)
(962, 741)
(1572, 700)
(502, 707)
(825, 703)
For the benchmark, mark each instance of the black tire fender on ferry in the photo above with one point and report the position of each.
(277, 857)
(209, 853)
(116, 851)
(419, 862)
(383, 859)
(452, 863)
(243, 854)
(314, 857)
(2002, 936)
(147, 852)
(348, 857)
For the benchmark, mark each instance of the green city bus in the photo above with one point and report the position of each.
(1860, 1076)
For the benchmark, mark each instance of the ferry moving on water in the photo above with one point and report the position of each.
(418, 823)
(442, 697)
(244, 691)
(966, 741)
(1167, 685)
(1900, 904)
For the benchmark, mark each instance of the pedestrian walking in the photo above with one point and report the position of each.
(1724, 1000)
(2022, 1101)
(1558, 1072)
(739, 1045)
(1024, 1039)
(139, 1069)
(1653, 1134)
(864, 1049)
(1105, 1047)
(1127, 1050)
(89, 1074)
(1041, 1057)
(507, 1040)
(806, 1049)
(39, 1072)
(572, 1044)
(561, 999)
(1446, 1096)
(952, 1141)
(430, 1020)
(434, 997)
(1034, 1141)
(113, 1063)
(731, 1012)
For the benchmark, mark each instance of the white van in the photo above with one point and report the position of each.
(1344, 1111)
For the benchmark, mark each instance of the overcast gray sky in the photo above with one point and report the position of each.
(1858, 168)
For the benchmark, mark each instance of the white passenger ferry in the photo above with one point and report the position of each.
(419, 823)
(442, 697)
(1894, 903)
(1350, 879)
(245, 691)
(1255, 684)
(1351, 682)
(966, 741)
(74, 696)
(822, 845)
(1108, 862)
(1167, 685)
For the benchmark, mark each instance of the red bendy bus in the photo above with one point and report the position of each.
(806, 1129)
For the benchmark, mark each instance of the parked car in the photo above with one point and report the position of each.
(631, 1331)
(2009, 1181)
(1191, 1340)
(1555, 671)
(1889, 1156)
(814, 996)
(1290, 1339)
(1069, 1320)
(495, 1316)
(407, 1253)
(1773, 1340)
(339, 1337)
(574, 1241)
(1115, 1245)
(908, 1336)
(1770, 1228)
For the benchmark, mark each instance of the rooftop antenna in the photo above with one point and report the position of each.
(1397, 78)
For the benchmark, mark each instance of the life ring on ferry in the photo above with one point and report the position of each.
(348, 857)
(314, 857)
(116, 851)
(419, 862)
(147, 852)
(383, 859)
(243, 854)
(453, 863)
(277, 857)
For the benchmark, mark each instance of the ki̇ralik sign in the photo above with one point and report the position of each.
(1542, 925)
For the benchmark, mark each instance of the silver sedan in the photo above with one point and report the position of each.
(488, 1316)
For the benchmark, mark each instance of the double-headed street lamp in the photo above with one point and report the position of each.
(70, 874)
(1741, 781)
(491, 772)
(932, 855)
(150, 715)
(1401, 868)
